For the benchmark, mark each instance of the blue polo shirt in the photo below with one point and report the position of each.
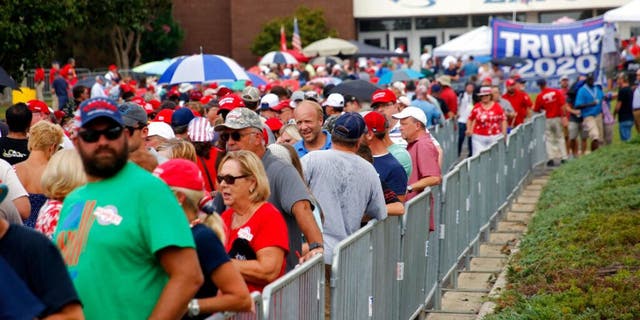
(586, 95)
(302, 150)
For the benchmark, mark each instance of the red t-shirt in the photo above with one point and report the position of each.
(521, 104)
(424, 163)
(450, 98)
(52, 74)
(552, 101)
(39, 75)
(211, 168)
(488, 122)
(266, 228)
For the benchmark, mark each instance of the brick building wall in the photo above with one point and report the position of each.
(228, 27)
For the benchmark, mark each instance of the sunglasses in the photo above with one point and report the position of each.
(229, 179)
(94, 135)
(236, 136)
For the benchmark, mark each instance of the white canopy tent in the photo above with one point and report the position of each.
(630, 12)
(626, 17)
(476, 42)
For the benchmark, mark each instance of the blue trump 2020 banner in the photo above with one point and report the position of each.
(550, 50)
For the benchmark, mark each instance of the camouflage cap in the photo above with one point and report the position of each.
(241, 118)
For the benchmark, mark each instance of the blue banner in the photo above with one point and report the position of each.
(550, 50)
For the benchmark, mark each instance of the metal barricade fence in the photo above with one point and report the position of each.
(419, 254)
(299, 294)
(257, 315)
(395, 268)
(352, 276)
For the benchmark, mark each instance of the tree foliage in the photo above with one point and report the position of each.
(126, 21)
(30, 30)
(311, 24)
(162, 38)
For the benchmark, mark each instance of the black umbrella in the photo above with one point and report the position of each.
(508, 61)
(6, 80)
(361, 89)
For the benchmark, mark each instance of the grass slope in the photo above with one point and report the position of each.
(581, 257)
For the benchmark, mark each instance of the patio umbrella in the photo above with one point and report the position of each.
(154, 67)
(328, 60)
(256, 80)
(361, 89)
(326, 80)
(400, 75)
(203, 68)
(329, 47)
(6, 80)
(277, 57)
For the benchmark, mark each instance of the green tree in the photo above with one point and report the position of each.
(311, 24)
(125, 21)
(30, 30)
(162, 38)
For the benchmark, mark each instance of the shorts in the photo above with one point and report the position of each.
(594, 127)
(574, 129)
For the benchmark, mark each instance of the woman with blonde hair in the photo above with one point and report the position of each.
(178, 149)
(289, 134)
(224, 288)
(258, 240)
(61, 176)
(44, 140)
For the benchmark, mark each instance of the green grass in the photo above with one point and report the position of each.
(581, 257)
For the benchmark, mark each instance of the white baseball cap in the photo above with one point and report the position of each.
(334, 100)
(160, 129)
(414, 112)
(269, 101)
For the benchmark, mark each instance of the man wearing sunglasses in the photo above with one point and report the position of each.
(242, 130)
(123, 236)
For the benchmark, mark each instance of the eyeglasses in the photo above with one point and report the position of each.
(235, 135)
(133, 129)
(229, 179)
(91, 136)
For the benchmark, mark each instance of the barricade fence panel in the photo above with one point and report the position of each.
(256, 315)
(299, 294)
(385, 243)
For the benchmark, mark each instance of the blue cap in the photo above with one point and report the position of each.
(349, 126)
(181, 117)
(94, 108)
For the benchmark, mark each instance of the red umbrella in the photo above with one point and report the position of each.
(298, 55)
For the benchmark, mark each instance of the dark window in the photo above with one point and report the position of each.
(373, 42)
(440, 22)
(384, 25)
(485, 19)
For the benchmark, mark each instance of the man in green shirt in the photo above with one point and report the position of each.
(125, 241)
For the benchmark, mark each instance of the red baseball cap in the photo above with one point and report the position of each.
(230, 102)
(223, 92)
(283, 104)
(180, 173)
(375, 121)
(510, 82)
(38, 106)
(383, 96)
(112, 67)
(274, 124)
(154, 103)
(164, 115)
(206, 99)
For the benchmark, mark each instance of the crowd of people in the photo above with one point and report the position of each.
(145, 201)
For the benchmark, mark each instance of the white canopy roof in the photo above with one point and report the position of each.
(476, 42)
(629, 12)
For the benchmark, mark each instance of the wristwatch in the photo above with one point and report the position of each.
(409, 188)
(315, 245)
(193, 308)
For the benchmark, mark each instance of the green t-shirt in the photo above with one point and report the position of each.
(108, 234)
(402, 155)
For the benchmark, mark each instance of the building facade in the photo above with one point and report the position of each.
(228, 27)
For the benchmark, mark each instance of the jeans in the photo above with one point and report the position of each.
(462, 128)
(625, 130)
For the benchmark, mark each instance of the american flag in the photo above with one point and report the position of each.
(296, 43)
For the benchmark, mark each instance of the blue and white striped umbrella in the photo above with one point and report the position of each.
(203, 68)
(278, 57)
